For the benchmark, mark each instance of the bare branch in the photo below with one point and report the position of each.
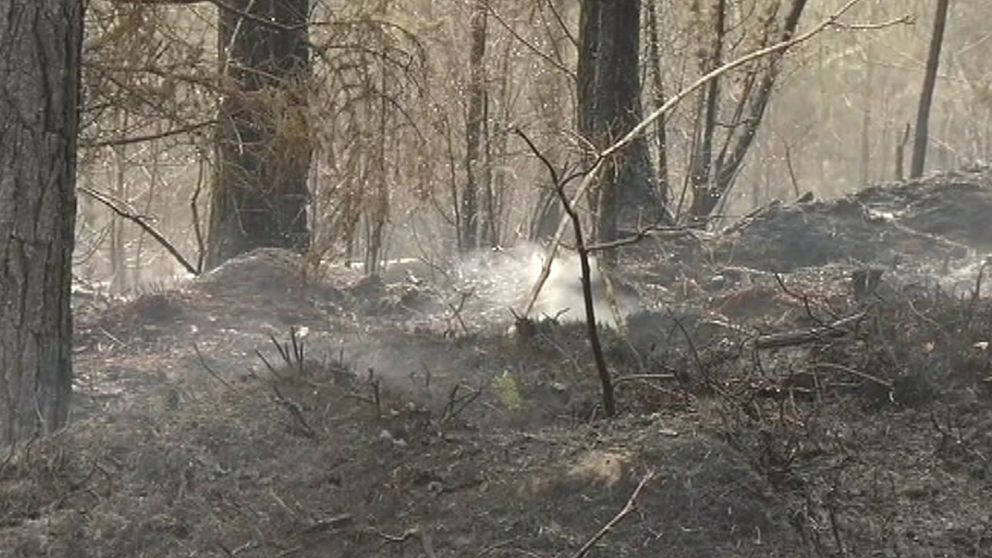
(142, 222)
(630, 506)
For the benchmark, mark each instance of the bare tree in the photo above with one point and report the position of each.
(41, 42)
(926, 94)
(747, 115)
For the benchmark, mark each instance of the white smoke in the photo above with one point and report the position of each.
(504, 280)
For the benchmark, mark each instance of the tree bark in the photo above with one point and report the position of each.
(475, 126)
(918, 162)
(263, 144)
(658, 94)
(703, 158)
(40, 42)
(609, 91)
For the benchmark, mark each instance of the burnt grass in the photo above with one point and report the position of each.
(262, 412)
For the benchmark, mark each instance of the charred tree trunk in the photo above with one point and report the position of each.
(703, 157)
(260, 193)
(40, 44)
(609, 105)
(926, 95)
(658, 94)
(474, 130)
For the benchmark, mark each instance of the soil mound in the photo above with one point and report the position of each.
(273, 272)
(941, 219)
(954, 206)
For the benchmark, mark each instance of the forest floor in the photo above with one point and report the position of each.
(815, 381)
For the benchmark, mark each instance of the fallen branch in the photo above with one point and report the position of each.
(211, 371)
(839, 328)
(425, 539)
(627, 508)
(847, 369)
(643, 377)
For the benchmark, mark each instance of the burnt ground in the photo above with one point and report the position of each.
(815, 381)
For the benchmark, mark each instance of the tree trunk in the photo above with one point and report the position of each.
(475, 126)
(263, 144)
(658, 94)
(41, 43)
(118, 255)
(703, 157)
(926, 95)
(609, 92)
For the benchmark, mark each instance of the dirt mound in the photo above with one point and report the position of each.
(274, 272)
(954, 206)
(937, 220)
(785, 238)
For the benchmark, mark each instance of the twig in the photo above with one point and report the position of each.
(664, 231)
(142, 222)
(864, 375)
(977, 293)
(642, 377)
(457, 310)
(149, 137)
(296, 412)
(456, 405)
(211, 371)
(692, 346)
(267, 364)
(907, 19)
(627, 508)
(801, 297)
(425, 539)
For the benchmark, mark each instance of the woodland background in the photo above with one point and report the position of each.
(389, 112)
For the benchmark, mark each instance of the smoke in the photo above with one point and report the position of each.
(502, 280)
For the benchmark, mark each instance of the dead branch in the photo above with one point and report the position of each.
(425, 539)
(651, 231)
(624, 512)
(456, 404)
(149, 137)
(211, 371)
(592, 328)
(142, 222)
(855, 372)
(839, 328)
(643, 377)
(296, 412)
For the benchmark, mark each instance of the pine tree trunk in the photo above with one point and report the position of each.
(40, 44)
(260, 193)
(609, 91)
